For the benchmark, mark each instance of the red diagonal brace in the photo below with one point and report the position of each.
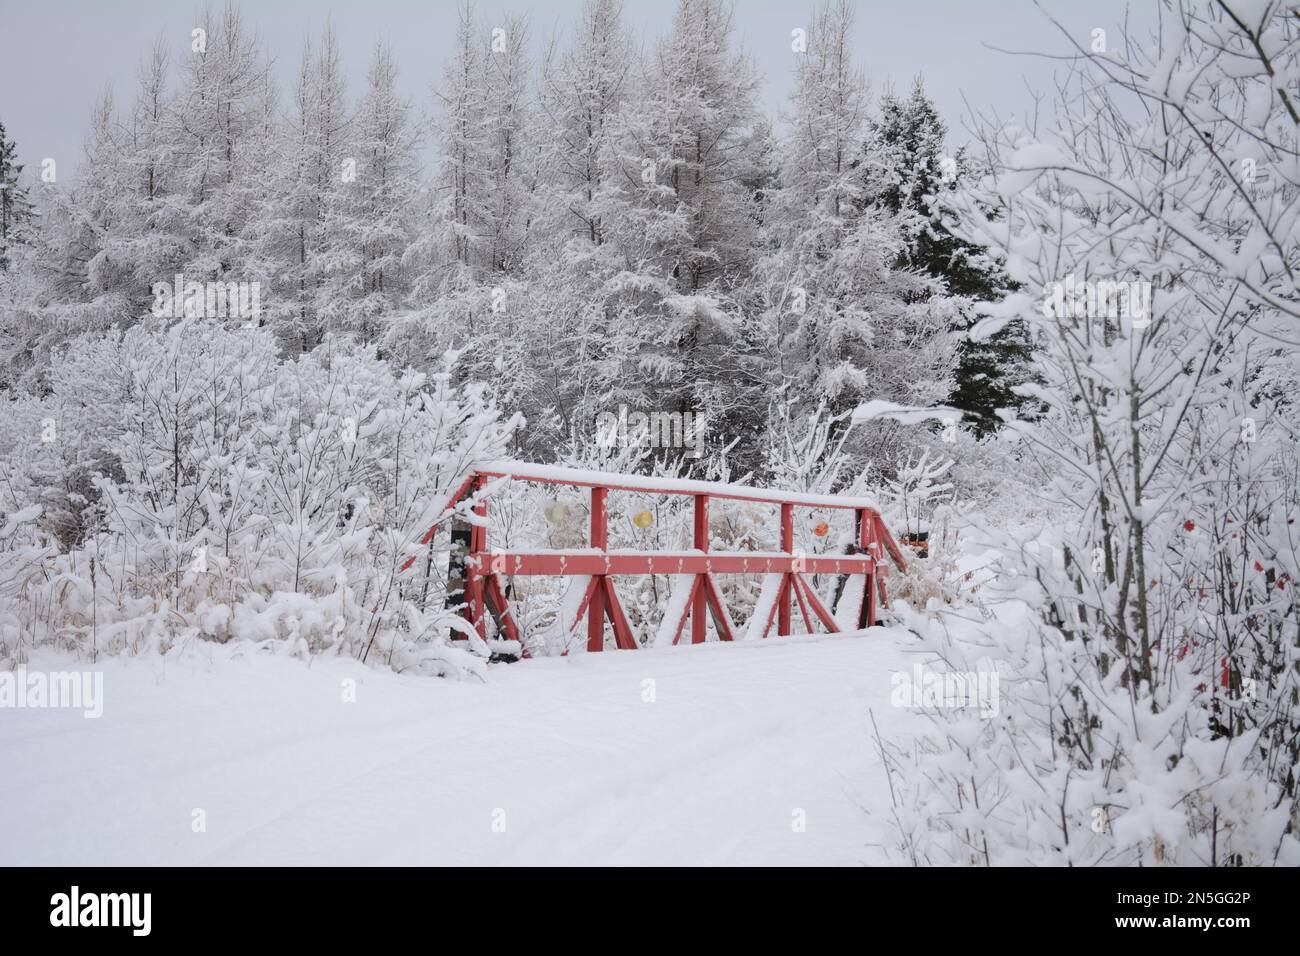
(497, 603)
(686, 611)
(795, 581)
(451, 503)
(782, 600)
(622, 630)
(816, 604)
(721, 619)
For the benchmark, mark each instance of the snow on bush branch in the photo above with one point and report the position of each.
(201, 487)
(1148, 637)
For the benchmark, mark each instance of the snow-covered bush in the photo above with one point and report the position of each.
(24, 557)
(235, 494)
(1146, 629)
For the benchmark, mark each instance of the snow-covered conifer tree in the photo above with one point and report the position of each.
(369, 221)
(844, 319)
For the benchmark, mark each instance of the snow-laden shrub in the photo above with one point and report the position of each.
(24, 557)
(1145, 631)
(1086, 764)
(235, 494)
(937, 579)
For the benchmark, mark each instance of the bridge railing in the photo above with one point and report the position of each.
(485, 567)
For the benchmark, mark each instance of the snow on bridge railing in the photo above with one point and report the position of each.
(560, 475)
(697, 593)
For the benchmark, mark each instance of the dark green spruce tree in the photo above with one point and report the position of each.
(907, 164)
(15, 208)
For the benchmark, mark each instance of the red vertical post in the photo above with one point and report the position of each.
(870, 599)
(867, 542)
(600, 518)
(785, 591)
(474, 575)
(599, 541)
(699, 606)
(879, 535)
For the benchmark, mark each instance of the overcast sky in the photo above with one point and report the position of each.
(57, 55)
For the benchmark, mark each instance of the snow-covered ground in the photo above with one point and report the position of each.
(558, 761)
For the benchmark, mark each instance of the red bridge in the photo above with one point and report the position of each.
(484, 567)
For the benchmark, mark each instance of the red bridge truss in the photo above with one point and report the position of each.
(484, 567)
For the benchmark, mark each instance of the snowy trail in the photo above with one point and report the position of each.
(564, 752)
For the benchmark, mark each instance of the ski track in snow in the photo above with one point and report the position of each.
(739, 737)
